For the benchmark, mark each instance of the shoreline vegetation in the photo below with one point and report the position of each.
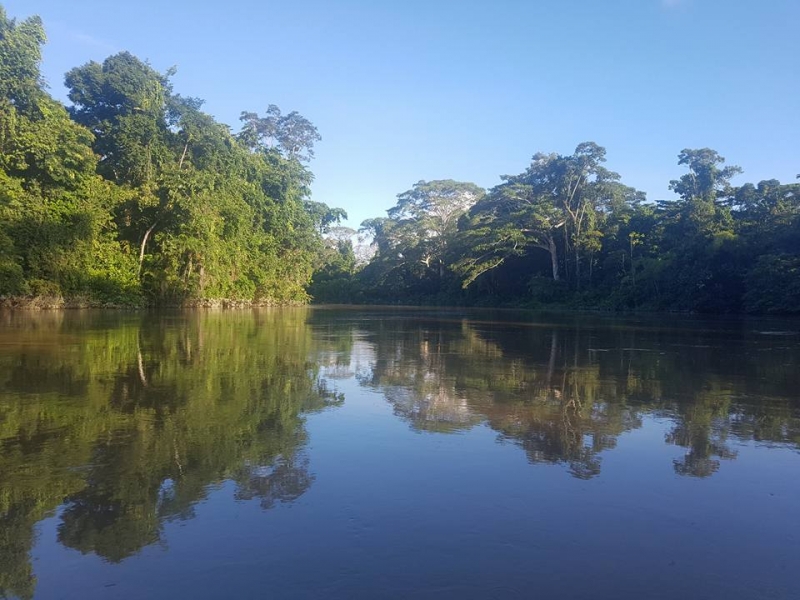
(131, 196)
(84, 302)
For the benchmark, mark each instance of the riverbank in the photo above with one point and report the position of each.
(46, 302)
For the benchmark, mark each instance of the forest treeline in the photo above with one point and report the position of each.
(568, 232)
(132, 195)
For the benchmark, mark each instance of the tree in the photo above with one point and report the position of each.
(428, 214)
(20, 55)
(56, 234)
(219, 217)
(509, 220)
(702, 211)
(323, 216)
(292, 135)
(414, 246)
(705, 181)
(556, 205)
(123, 102)
(698, 241)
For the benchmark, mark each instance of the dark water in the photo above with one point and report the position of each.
(327, 453)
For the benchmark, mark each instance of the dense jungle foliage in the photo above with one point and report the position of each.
(568, 232)
(132, 195)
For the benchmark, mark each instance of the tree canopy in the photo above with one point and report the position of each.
(132, 194)
(567, 231)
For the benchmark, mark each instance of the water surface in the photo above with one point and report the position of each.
(342, 453)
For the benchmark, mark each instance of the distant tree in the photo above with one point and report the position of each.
(510, 219)
(427, 217)
(556, 205)
(292, 135)
(706, 180)
(323, 216)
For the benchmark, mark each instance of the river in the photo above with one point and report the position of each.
(398, 453)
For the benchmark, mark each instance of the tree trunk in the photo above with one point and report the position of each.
(144, 243)
(183, 156)
(551, 247)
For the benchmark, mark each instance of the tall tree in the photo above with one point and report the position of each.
(123, 102)
(20, 55)
(292, 135)
(555, 205)
(428, 215)
(698, 245)
(510, 219)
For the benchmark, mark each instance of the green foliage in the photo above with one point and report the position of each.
(123, 102)
(543, 290)
(773, 285)
(134, 194)
(567, 232)
(416, 247)
(289, 135)
(334, 278)
(20, 55)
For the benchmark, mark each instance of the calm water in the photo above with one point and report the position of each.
(331, 453)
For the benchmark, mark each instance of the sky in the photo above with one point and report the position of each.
(410, 90)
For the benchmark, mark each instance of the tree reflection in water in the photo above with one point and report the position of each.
(128, 422)
(119, 424)
(565, 392)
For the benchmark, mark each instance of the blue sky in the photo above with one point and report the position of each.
(409, 90)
